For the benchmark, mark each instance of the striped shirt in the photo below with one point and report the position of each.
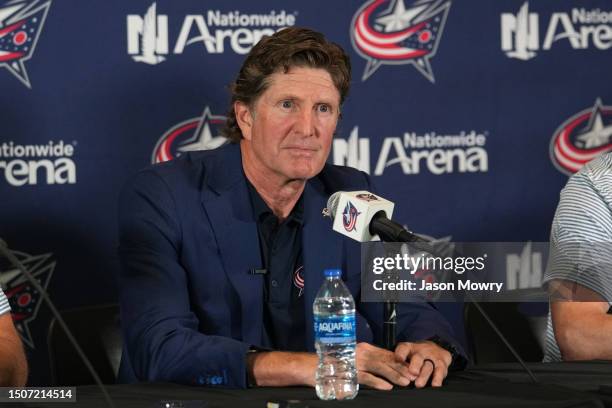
(581, 237)
(4, 304)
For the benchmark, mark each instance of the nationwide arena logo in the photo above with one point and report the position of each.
(388, 32)
(433, 152)
(581, 138)
(580, 28)
(20, 25)
(213, 31)
(200, 133)
(24, 299)
(524, 269)
(50, 163)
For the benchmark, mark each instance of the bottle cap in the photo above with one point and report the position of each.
(332, 273)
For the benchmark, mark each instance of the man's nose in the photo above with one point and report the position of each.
(306, 123)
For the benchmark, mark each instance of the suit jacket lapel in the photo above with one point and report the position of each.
(226, 201)
(322, 249)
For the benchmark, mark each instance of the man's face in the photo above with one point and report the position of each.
(288, 132)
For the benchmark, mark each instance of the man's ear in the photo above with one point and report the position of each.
(244, 118)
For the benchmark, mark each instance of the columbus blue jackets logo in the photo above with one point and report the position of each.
(298, 280)
(582, 137)
(349, 217)
(20, 25)
(367, 197)
(388, 32)
(24, 299)
(201, 133)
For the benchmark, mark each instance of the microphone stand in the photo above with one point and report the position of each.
(390, 304)
(390, 315)
(389, 324)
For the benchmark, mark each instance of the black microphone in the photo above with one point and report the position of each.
(391, 231)
(4, 250)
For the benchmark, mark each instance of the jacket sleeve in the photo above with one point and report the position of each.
(160, 330)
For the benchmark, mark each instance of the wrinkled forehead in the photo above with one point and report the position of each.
(304, 80)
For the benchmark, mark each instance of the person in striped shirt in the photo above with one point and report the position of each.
(579, 271)
(13, 365)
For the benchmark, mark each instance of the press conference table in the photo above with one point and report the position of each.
(576, 384)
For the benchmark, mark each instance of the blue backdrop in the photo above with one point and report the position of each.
(470, 115)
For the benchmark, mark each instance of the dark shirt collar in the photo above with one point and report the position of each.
(261, 209)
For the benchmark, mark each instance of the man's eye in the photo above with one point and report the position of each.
(324, 108)
(287, 104)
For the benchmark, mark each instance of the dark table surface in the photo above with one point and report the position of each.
(579, 384)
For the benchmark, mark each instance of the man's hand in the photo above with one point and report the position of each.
(381, 369)
(424, 359)
(376, 367)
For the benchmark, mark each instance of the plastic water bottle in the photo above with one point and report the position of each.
(334, 328)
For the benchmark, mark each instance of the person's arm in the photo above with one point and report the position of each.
(578, 272)
(281, 369)
(13, 365)
(160, 330)
(376, 367)
(583, 329)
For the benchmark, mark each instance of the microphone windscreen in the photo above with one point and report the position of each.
(332, 203)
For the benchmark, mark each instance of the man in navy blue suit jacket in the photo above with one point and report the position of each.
(196, 232)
